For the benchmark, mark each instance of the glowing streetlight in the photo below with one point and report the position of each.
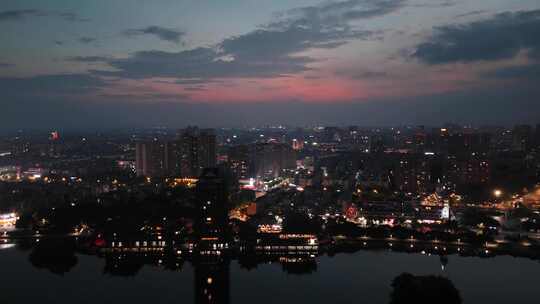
(497, 193)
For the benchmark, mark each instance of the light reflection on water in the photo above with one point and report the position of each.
(4, 246)
(361, 277)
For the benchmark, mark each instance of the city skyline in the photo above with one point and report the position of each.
(204, 207)
(241, 151)
(107, 64)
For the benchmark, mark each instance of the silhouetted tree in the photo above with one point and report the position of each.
(57, 256)
(408, 288)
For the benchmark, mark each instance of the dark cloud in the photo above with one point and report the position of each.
(339, 13)
(199, 63)
(472, 13)
(59, 42)
(529, 72)
(89, 59)
(19, 14)
(50, 85)
(154, 97)
(436, 4)
(501, 37)
(11, 15)
(162, 33)
(86, 40)
(6, 65)
(277, 45)
(196, 88)
(363, 74)
(69, 16)
(191, 81)
(270, 51)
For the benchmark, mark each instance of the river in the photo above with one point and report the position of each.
(361, 277)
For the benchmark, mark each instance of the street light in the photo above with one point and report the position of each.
(497, 193)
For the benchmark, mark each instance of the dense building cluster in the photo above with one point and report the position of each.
(186, 155)
(277, 181)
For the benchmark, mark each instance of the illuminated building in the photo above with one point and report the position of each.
(54, 145)
(213, 209)
(197, 151)
(186, 157)
(405, 172)
(10, 173)
(287, 244)
(35, 173)
(331, 134)
(267, 228)
(445, 212)
(8, 220)
(20, 146)
(470, 170)
(351, 212)
(239, 161)
(54, 135)
(420, 140)
(297, 144)
(126, 165)
(269, 159)
(155, 158)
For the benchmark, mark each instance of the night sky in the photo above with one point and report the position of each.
(112, 64)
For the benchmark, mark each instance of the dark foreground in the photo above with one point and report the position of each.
(365, 276)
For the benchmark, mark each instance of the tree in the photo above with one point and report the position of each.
(408, 288)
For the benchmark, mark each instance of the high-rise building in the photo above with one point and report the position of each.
(213, 209)
(522, 138)
(331, 134)
(54, 144)
(155, 159)
(297, 144)
(377, 144)
(239, 159)
(198, 151)
(537, 136)
(468, 170)
(269, 159)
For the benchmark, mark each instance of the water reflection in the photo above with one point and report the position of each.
(6, 246)
(408, 288)
(56, 255)
(211, 273)
(212, 280)
(224, 271)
